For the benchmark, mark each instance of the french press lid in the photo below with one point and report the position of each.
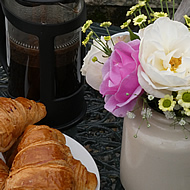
(39, 2)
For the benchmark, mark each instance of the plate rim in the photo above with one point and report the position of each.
(69, 138)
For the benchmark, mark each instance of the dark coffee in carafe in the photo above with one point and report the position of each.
(24, 77)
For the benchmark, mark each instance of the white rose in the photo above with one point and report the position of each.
(93, 70)
(93, 73)
(165, 57)
(121, 36)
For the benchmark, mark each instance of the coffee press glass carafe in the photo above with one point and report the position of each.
(44, 55)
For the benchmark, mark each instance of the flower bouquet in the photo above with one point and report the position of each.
(145, 78)
(152, 65)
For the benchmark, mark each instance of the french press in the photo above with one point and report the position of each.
(40, 49)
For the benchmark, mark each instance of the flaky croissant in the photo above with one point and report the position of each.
(4, 172)
(15, 115)
(47, 163)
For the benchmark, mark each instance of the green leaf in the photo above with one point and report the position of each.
(133, 36)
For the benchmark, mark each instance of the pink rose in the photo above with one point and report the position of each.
(120, 84)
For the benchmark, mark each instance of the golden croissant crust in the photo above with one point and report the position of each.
(4, 172)
(15, 116)
(47, 163)
(52, 176)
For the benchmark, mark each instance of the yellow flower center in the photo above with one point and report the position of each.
(166, 103)
(186, 97)
(175, 62)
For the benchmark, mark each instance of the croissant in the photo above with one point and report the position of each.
(4, 172)
(37, 133)
(15, 115)
(44, 162)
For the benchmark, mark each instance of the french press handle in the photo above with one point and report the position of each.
(3, 55)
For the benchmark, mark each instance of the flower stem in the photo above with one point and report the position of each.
(173, 9)
(162, 9)
(99, 41)
(167, 8)
(105, 49)
(148, 13)
(109, 35)
(97, 46)
(150, 8)
(184, 129)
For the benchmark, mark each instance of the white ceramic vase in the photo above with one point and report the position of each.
(158, 159)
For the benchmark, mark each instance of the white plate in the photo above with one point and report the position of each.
(1, 156)
(80, 153)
